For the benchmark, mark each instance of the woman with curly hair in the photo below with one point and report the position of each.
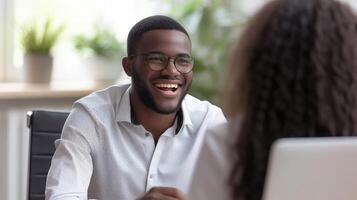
(292, 73)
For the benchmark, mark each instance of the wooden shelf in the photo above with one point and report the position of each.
(23, 91)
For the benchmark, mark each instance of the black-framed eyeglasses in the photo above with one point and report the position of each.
(159, 61)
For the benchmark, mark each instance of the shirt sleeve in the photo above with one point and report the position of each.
(71, 166)
(218, 119)
(210, 177)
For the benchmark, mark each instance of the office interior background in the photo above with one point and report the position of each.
(80, 59)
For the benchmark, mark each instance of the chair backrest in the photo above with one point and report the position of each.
(45, 127)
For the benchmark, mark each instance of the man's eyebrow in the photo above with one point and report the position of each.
(183, 54)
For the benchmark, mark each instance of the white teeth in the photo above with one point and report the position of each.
(163, 85)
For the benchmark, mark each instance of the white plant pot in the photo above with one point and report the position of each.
(38, 68)
(104, 70)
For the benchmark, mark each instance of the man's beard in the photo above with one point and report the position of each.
(147, 98)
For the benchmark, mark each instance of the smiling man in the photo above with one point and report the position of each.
(139, 140)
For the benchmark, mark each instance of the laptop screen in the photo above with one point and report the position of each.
(312, 169)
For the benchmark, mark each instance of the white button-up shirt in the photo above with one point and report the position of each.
(103, 155)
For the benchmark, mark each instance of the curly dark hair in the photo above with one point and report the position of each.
(298, 78)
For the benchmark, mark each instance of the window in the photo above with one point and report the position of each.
(2, 20)
(6, 25)
(78, 17)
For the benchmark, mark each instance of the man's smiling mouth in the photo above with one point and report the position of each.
(167, 86)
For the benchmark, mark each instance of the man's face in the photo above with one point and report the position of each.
(163, 90)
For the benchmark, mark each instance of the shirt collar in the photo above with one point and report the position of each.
(185, 115)
(123, 113)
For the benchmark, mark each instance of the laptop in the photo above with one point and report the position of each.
(312, 169)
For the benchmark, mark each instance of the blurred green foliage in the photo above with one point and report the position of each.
(212, 24)
(39, 38)
(101, 43)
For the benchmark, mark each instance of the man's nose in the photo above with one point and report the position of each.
(171, 68)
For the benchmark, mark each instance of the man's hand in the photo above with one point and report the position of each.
(163, 193)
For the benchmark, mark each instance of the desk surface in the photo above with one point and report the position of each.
(17, 91)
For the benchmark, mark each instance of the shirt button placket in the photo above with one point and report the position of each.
(150, 181)
(151, 172)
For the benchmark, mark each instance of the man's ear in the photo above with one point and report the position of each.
(126, 62)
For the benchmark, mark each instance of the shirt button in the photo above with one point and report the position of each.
(151, 175)
(147, 134)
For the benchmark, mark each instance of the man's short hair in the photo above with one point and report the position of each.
(148, 24)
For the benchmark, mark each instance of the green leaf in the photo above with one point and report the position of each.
(39, 39)
(103, 43)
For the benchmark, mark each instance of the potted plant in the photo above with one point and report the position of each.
(37, 42)
(103, 53)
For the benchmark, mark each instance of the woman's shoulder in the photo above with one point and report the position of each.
(211, 176)
(223, 135)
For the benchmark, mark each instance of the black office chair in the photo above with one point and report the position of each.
(45, 127)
